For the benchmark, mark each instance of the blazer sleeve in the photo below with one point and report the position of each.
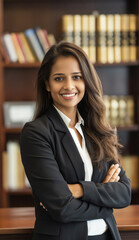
(112, 194)
(47, 181)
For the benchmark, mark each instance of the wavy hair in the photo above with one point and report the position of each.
(102, 138)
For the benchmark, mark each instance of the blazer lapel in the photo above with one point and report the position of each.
(67, 142)
(72, 151)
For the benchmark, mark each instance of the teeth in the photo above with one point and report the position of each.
(68, 95)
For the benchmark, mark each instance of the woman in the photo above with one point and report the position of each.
(70, 153)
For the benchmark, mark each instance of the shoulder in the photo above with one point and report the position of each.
(38, 127)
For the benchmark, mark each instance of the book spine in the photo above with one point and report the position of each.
(117, 38)
(19, 53)
(67, 28)
(6, 38)
(5, 170)
(77, 30)
(125, 37)
(122, 110)
(106, 99)
(132, 37)
(21, 47)
(35, 45)
(42, 39)
(114, 110)
(101, 39)
(84, 33)
(110, 37)
(45, 34)
(27, 50)
(4, 52)
(92, 38)
(130, 163)
(12, 165)
(15, 171)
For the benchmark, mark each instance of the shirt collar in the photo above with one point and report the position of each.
(67, 120)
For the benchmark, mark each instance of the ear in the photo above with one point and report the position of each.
(47, 86)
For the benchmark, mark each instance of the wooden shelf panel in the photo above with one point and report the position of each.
(24, 191)
(12, 130)
(37, 64)
(128, 128)
(23, 65)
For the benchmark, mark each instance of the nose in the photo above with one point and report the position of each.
(69, 84)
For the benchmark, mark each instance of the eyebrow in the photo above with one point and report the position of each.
(59, 74)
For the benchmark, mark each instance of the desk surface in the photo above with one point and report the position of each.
(21, 220)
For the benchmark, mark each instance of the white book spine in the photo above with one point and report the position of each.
(10, 47)
(12, 148)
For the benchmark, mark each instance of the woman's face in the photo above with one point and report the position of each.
(66, 83)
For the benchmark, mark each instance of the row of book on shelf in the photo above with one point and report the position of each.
(120, 110)
(14, 176)
(106, 38)
(26, 47)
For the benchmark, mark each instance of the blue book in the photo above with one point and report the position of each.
(35, 44)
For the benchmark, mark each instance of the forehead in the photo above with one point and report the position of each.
(66, 64)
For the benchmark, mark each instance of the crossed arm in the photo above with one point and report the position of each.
(112, 176)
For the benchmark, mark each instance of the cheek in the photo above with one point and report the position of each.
(82, 87)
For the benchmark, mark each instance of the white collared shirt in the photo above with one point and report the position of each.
(98, 226)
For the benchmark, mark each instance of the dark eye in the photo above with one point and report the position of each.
(76, 77)
(58, 79)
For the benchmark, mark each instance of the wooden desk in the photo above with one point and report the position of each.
(17, 223)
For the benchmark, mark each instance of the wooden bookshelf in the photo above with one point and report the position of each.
(17, 81)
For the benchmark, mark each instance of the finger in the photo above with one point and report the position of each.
(111, 172)
(117, 179)
(115, 175)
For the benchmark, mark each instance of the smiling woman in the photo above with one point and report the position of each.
(70, 152)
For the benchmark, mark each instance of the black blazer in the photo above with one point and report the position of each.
(51, 160)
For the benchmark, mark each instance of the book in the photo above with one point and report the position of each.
(34, 43)
(5, 170)
(125, 37)
(51, 39)
(92, 38)
(84, 33)
(41, 39)
(15, 167)
(117, 38)
(101, 39)
(122, 110)
(27, 50)
(114, 110)
(8, 44)
(77, 30)
(130, 110)
(67, 28)
(130, 164)
(46, 37)
(4, 53)
(110, 37)
(106, 99)
(18, 48)
(132, 37)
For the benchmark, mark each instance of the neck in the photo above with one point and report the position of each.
(70, 113)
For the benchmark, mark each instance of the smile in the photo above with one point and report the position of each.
(69, 94)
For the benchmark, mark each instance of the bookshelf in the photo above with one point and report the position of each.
(17, 81)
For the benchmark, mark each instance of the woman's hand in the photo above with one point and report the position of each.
(76, 190)
(112, 174)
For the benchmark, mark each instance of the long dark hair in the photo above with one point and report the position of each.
(101, 136)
